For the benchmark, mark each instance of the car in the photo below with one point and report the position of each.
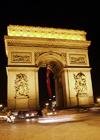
(34, 113)
(26, 114)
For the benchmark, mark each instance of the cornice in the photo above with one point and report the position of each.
(38, 42)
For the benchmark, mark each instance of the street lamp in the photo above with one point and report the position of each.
(46, 105)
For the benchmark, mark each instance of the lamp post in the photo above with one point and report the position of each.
(47, 105)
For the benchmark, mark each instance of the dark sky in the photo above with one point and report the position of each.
(57, 14)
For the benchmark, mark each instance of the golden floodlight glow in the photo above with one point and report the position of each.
(44, 32)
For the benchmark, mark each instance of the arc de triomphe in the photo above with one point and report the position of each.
(65, 51)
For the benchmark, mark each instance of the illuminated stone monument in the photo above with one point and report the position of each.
(65, 52)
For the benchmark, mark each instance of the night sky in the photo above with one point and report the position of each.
(57, 14)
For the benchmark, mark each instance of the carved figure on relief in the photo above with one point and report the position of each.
(80, 83)
(24, 58)
(79, 59)
(21, 86)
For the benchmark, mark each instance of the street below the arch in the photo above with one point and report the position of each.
(80, 126)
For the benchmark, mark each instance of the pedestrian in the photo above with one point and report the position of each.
(9, 114)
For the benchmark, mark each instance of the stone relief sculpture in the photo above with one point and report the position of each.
(21, 57)
(77, 58)
(21, 86)
(25, 58)
(80, 84)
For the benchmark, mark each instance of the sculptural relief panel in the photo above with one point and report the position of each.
(77, 59)
(80, 84)
(21, 57)
(21, 86)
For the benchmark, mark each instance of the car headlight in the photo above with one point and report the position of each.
(27, 115)
(32, 114)
(50, 113)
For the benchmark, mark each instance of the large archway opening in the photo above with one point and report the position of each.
(43, 92)
(56, 66)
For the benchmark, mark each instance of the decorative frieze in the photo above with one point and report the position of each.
(21, 57)
(77, 59)
(67, 45)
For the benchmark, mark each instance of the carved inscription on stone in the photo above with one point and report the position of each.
(20, 57)
(77, 59)
(21, 86)
(80, 84)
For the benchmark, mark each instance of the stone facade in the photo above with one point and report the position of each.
(66, 57)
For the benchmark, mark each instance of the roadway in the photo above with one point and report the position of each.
(80, 126)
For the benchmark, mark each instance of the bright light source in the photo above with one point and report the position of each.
(47, 104)
(54, 96)
(12, 117)
(49, 99)
(1, 105)
(27, 115)
(25, 35)
(14, 30)
(98, 100)
(49, 113)
(27, 120)
(32, 114)
(57, 119)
